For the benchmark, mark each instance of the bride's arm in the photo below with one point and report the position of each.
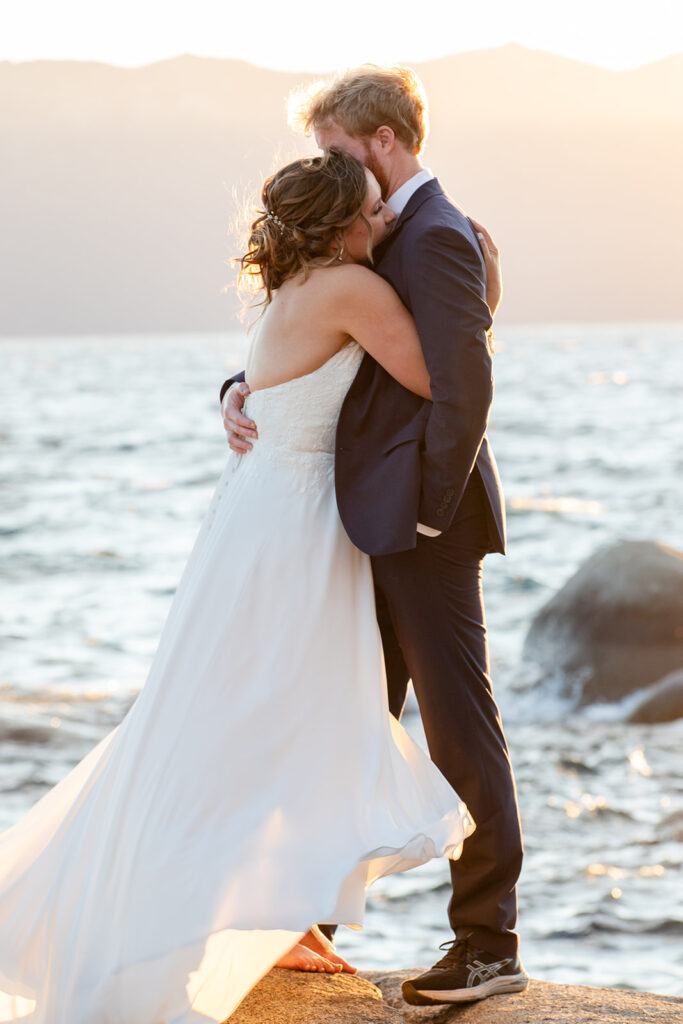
(368, 309)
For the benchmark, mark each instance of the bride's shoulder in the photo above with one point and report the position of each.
(349, 279)
(340, 275)
(337, 291)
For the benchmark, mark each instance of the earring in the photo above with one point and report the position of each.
(340, 254)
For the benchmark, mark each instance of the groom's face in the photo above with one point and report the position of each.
(364, 149)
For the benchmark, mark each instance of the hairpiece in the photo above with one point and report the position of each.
(276, 220)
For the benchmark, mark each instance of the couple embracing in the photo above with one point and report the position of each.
(262, 780)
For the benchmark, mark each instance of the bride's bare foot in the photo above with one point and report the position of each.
(319, 943)
(302, 958)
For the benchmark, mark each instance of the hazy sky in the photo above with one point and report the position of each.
(320, 35)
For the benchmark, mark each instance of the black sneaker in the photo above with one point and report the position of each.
(464, 974)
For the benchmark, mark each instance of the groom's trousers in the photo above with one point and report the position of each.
(431, 615)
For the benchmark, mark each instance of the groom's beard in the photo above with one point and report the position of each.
(373, 165)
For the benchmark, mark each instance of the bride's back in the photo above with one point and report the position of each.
(296, 334)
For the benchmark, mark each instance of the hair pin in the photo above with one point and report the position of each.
(276, 220)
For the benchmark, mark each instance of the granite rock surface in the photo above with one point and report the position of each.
(294, 997)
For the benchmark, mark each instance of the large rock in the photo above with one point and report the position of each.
(297, 997)
(292, 997)
(663, 702)
(540, 1003)
(616, 625)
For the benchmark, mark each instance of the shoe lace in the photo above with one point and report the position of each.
(456, 953)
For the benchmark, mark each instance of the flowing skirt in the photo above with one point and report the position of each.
(257, 785)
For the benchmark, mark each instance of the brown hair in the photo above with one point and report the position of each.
(306, 206)
(362, 100)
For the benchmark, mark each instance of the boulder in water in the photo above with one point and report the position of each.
(662, 702)
(616, 625)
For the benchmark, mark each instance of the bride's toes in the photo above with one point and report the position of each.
(327, 965)
(321, 944)
(320, 963)
(341, 963)
(300, 958)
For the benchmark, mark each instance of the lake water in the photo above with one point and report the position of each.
(109, 450)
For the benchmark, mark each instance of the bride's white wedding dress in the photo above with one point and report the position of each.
(257, 785)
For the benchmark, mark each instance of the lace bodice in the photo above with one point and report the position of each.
(300, 416)
(297, 425)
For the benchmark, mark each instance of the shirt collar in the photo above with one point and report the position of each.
(398, 201)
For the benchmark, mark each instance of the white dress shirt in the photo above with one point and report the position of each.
(397, 202)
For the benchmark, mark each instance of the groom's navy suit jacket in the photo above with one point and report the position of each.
(401, 459)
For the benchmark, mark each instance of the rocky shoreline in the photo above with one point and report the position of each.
(371, 997)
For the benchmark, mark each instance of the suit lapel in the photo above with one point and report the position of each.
(419, 196)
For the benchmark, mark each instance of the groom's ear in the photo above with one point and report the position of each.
(386, 138)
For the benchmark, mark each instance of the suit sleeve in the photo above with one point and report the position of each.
(237, 379)
(447, 291)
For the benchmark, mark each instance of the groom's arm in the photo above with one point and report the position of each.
(447, 294)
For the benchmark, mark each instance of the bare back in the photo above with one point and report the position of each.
(296, 334)
(311, 319)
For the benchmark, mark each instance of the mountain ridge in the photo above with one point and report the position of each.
(509, 47)
(117, 194)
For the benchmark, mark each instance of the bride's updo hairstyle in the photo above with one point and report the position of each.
(307, 205)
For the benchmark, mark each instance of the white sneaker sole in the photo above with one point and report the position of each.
(495, 986)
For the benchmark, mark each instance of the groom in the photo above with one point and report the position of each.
(418, 490)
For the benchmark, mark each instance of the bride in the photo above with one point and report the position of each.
(258, 784)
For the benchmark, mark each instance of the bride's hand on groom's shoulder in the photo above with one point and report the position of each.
(237, 426)
(494, 274)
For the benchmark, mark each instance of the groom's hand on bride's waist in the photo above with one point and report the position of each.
(238, 427)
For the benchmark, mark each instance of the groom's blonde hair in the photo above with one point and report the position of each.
(362, 100)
